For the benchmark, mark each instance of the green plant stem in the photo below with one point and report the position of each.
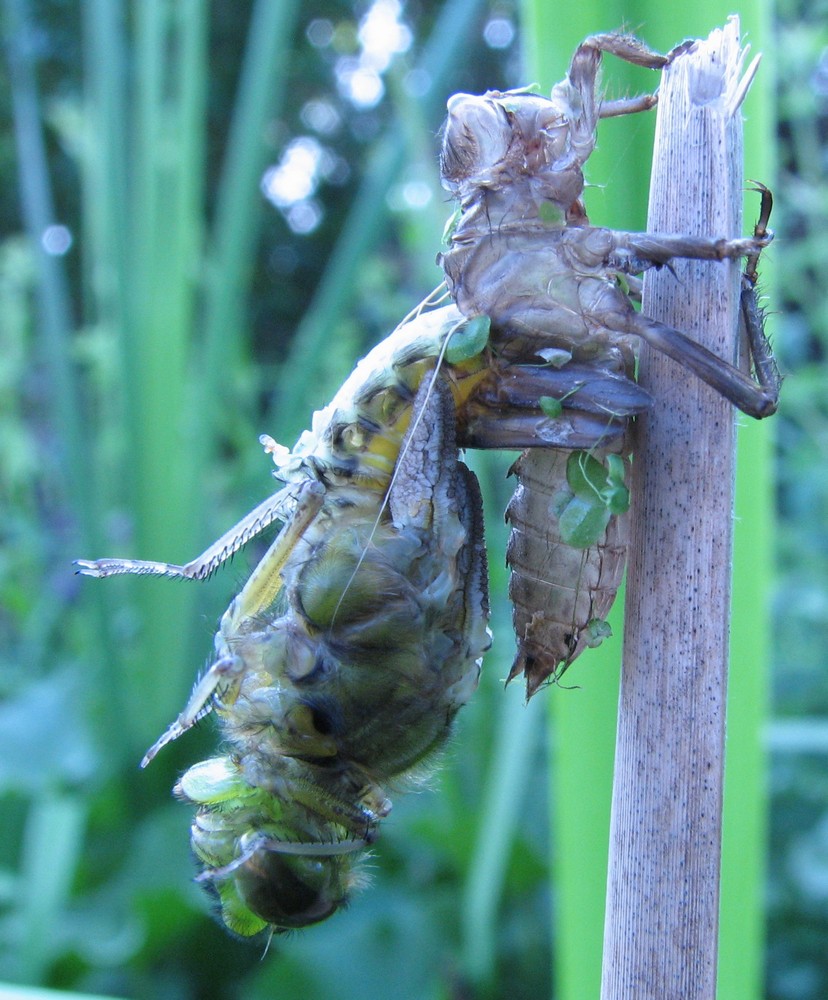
(582, 721)
(55, 312)
(53, 845)
(55, 341)
(239, 204)
(515, 739)
(361, 229)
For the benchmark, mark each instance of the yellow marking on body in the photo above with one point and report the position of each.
(265, 581)
(383, 449)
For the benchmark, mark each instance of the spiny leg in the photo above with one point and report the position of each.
(199, 704)
(582, 78)
(259, 591)
(759, 348)
(626, 47)
(758, 399)
(636, 252)
(272, 509)
(754, 399)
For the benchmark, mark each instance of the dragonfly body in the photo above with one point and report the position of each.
(377, 624)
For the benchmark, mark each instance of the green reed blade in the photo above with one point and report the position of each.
(55, 313)
(581, 781)
(53, 845)
(239, 206)
(362, 229)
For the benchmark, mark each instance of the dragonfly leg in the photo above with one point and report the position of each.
(582, 77)
(275, 508)
(626, 47)
(530, 406)
(757, 399)
(752, 320)
(636, 252)
(627, 105)
(265, 581)
(759, 348)
(760, 230)
(754, 398)
(259, 592)
(219, 676)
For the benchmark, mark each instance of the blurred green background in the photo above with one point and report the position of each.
(208, 212)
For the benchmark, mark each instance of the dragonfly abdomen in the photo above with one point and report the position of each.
(561, 591)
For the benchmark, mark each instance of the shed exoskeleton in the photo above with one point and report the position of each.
(522, 252)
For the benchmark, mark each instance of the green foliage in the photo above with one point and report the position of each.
(138, 366)
(798, 925)
(137, 369)
(595, 493)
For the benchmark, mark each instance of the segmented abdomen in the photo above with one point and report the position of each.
(560, 592)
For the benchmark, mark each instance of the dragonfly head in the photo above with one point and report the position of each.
(514, 143)
(281, 854)
(288, 892)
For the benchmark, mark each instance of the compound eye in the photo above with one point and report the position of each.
(550, 118)
(291, 892)
(310, 730)
(551, 138)
(476, 137)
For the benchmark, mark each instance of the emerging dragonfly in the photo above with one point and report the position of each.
(342, 662)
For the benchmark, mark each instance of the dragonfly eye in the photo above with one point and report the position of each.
(477, 136)
(290, 892)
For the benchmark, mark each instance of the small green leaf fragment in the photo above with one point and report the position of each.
(582, 523)
(550, 406)
(586, 476)
(596, 631)
(596, 483)
(615, 469)
(468, 339)
(617, 499)
(554, 356)
(451, 225)
(616, 495)
(550, 213)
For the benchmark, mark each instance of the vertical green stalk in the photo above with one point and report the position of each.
(162, 258)
(514, 740)
(52, 841)
(362, 226)
(106, 287)
(239, 205)
(515, 733)
(144, 175)
(53, 845)
(55, 312)
(54, 344)
(745, 835)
